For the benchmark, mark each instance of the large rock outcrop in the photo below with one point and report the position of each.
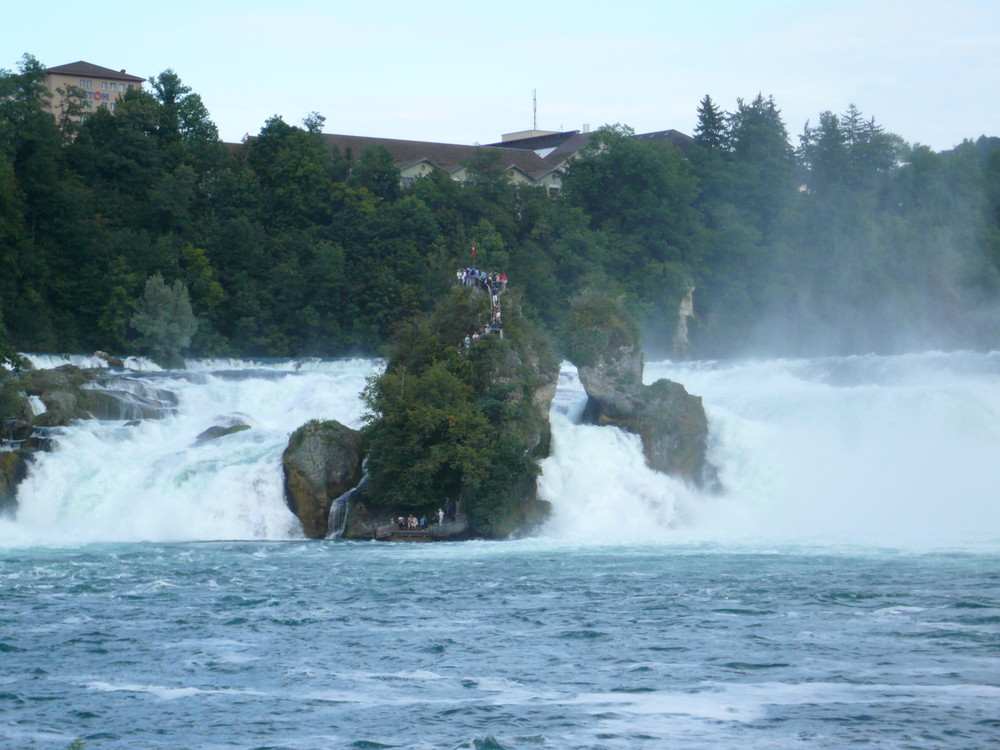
(460, 425)
(605, 347)
(323, 460)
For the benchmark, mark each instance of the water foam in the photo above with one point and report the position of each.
(858, 449)
(152, 481)
(867, 450)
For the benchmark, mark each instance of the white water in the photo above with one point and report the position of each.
(50, 361)
(107, 481)
(869, 450)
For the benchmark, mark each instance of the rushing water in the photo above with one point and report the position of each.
(844, 589)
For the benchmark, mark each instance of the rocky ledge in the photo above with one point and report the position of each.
(603, 343)
(456, 423)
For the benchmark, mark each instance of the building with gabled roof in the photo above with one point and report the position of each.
(559, 148)
(91, 85)
(419, 158)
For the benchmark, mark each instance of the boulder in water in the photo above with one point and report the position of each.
(115, 362)
(322, 462)
(121, 398)
(60, 391)
(604, 345)
(225, 426)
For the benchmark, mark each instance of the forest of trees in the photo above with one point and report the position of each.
(850, 240)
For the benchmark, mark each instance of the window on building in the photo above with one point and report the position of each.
(86, 83)
(130, 87)
(104, 85)
(553, 191)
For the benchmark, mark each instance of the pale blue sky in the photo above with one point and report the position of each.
(464, 72)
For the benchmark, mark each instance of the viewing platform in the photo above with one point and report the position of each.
(447, 531)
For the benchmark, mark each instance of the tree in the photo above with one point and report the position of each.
(164, 319)
(764, 162)
(445, 423)
(710, 131)
(314, 123)
(297, 172)
(377, 172)
(8, 357)
(642, 196)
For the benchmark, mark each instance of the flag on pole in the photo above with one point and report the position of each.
(473, 251)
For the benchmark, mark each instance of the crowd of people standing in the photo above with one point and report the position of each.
(492, 283)
(413, 523)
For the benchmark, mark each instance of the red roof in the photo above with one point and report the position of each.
(89, 70)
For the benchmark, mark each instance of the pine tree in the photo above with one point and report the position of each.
(711, 129)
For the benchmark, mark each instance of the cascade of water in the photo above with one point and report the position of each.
(890, 449)
(844, 448)
(112, 480)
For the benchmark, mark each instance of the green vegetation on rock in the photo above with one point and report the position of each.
(448, 423)
(596, 324)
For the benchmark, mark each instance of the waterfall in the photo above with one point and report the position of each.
(892, 449)
(118, 480)
(850, 448)
(340, 510)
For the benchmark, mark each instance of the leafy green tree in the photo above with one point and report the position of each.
(428, 417)
(377, 172)
(164, 319)
(597, 323)
(642, 196)
(314, 122)
(297, 173)
(8, 357)
(184, 128)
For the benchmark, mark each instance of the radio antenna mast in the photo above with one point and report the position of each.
(534, 109)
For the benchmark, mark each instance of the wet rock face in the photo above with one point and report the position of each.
(670, 421)
(224, 426)
(124, 399)
(322, 462)
(614, 380)
(69, 392)
(13, 470)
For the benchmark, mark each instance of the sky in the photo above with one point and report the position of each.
(466, 72)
